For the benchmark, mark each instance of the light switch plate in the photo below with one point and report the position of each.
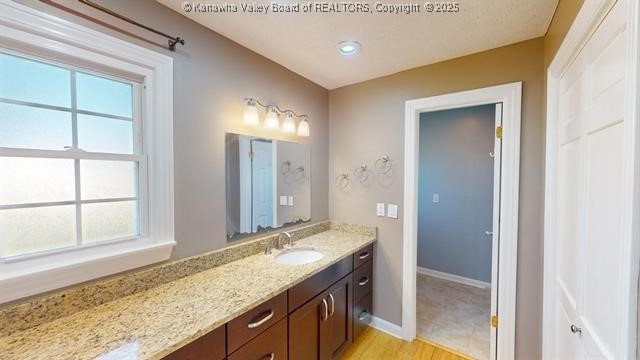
(436, 198)
(283, 200)
(290, 200)
(380, 209)
(392, 211)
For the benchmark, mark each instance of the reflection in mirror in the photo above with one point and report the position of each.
(268, 184)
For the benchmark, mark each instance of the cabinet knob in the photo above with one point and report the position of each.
(574, 329)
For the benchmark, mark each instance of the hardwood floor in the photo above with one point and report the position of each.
(376, 345)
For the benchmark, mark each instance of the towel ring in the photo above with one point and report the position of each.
(361, 173)
(343, 181)
(285, 167)
(383, 164)
(298, 174)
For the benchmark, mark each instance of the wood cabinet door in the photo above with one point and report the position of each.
(305, 326)
(337, 332)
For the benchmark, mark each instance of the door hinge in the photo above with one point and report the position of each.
(494, 321)
(251, 154)
(499, 132)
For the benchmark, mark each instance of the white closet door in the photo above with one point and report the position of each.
(590, 309)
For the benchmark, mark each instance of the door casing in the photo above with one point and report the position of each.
(510, 95)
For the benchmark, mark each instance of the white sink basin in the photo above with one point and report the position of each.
(298, 256)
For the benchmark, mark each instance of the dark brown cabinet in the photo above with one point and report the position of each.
(316, 319)
(322, 328)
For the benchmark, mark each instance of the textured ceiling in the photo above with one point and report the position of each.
(305, 42)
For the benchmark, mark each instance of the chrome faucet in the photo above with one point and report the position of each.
(289, 239)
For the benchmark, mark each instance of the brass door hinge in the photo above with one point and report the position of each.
(499, 132)
(494, 321)
(251, 154)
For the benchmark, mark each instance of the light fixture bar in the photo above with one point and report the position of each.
(276, 108)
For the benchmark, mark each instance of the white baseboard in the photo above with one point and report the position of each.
(386, 327)
(455, 278)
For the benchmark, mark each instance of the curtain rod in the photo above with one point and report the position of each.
(173, 41)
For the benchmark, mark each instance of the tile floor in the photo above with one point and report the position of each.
(454, 315)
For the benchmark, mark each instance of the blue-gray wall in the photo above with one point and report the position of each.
(455, 163)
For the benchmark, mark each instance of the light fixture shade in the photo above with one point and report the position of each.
(303, 128)
(250, 115)
(288, 125)
(271, 121)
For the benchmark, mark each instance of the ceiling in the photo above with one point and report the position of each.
(306, 42)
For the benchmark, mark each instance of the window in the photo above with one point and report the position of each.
(70, 157)
(86, 154)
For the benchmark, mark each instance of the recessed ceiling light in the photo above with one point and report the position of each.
(348, 48)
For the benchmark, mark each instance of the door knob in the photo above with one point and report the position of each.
(488, 233)
(574, 329)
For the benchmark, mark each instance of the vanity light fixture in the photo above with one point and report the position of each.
(303, 127)
(250, 115)
(272, 118)
(289, 125)
(348, 48)
(271, 121)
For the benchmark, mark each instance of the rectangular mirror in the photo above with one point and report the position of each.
(268, 184)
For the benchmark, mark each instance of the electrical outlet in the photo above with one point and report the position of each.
(436, 198)
(283, 200)
(380, 209)
(392, 211)
(290, 201)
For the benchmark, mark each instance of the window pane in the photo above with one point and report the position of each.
(107, 179)
(34, 128)
(30, 180)
(99, 134)
(110, 220)
(24, 231)
(33, 81)
(103, 95)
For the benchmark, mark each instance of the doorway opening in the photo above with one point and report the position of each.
(458, 153)
(461, 220)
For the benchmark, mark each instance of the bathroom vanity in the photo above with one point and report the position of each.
(233, 303)
(316, 319)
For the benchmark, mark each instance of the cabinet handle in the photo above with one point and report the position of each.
(254, 325)
(269, 356)
(333, 304)
(363, 315)
(326, 310)
(364, 255)
(364, 281)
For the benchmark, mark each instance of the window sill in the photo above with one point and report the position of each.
(34, 276)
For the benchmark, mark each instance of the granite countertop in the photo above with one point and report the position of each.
(153, 323)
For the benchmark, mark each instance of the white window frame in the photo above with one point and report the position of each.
(28, 31)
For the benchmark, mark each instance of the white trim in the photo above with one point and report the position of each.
(83, 267)
(30, 31)
(386, 327)
(510, 96)
(452, 277)
(585, 24)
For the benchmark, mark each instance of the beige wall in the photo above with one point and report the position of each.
(367, 120)
(560, 24)
(212, 75)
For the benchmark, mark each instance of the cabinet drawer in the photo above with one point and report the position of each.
(308, 289)
(362, 256)
(253, 322)
(271, 344)
(207, 347)
(362, 281)
(362, 315)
